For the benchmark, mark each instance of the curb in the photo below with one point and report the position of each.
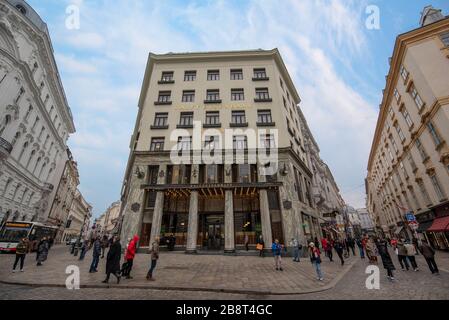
(329, 286)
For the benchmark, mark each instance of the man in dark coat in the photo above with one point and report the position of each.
(42, 251)
(96, 252)
(429, 254)
(113, 260)
(382, 248)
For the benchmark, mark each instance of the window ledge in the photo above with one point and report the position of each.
(440, 145)
(263, 100)
(212, 101)
(158, 103)
(266, 124)
(166, 82)
(159, 127)
(261, 79)
(184, 126)
(218, 125)
(238, 125)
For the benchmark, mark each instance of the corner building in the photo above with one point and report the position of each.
(216, 206)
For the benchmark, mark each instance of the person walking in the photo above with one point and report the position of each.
(129, 257)
(154, 257)
(277, 251)
(315, 258)
(370, 249)
(382, 247)
(411, 252)
(316, 242)
(429, 254)
(359, 243)
(113, 260)
(21, 251)
(339, 247)
(329, 246)
(351, 244)
(246, 242)
(295, 245)
(401, 251)
(83, 249)
(42, 251)
(324, 244)
(261, 246)
(96, 253)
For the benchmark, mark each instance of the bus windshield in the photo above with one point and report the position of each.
(12, 233)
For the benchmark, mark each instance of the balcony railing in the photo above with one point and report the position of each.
(5, 146)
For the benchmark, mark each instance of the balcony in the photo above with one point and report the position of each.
(266, 124)
(5, 148)
(209, 101)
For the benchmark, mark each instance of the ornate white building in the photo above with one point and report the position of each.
(35, 119)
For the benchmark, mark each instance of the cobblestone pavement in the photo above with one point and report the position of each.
(421, 285)
(233, 274)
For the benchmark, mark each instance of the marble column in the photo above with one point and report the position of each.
(157, 216)
(192, 228)
(265, 218)
(229, 222)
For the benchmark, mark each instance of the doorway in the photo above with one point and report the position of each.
(212, 232)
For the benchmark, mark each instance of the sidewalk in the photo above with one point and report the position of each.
(178, 271)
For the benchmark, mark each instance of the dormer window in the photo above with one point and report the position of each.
(21, 9)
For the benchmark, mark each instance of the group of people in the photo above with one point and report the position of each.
(25, 246)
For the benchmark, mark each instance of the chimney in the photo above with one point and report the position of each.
(430, 15)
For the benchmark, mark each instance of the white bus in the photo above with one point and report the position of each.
(12, 232)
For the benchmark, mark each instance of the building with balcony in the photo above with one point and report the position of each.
(217, 154)
(35, 119)
(78, 219)
(408, 167)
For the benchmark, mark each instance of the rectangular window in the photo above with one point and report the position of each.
(285, 102)
(424, 193)
(391, 112)
(240, 142)
(161, 119)
(186, 119)
(260, 73)
(237, 94)
(238, 117)
(188, 96)
(412, 161)
(407, 117)
(417, 98)
(213, 95)
(157, 144)
(184, 143)
(264, 116)
(164, 96)
(298, 178)
(400, 134)
(167, 76)
(404, 73)
(393, 143)
(213, 75)
(445, 38)
(397, 95)
(236, 74)
(211, 142)
(190, 76)
(213, 117)
(436, 184)
(404, 171)
(421, 149)
(436, 138)
(267, 141)
(281, 83)
(262, 94)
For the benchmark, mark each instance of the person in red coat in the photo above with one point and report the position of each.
(129, 257)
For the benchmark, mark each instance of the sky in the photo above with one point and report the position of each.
(338, 66)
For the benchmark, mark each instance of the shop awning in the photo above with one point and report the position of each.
(439, 225)
(398, 230)
(423, 226)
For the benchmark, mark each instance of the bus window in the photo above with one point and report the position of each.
(13, 234)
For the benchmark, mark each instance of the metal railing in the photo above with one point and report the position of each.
(5, 145)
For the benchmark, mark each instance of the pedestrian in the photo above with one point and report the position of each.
(277, 252)
(172, 242)
(394, 242)
(113, 260)
(104, 245)
(429, 254)
(351, 244)
(83, 249)
(295, 245)
(96, 253)
(386, 258)
(315, 258)
(324, 245)
(359, 243)
(246, 242)
(42, 251)
(370, 249)
(329, 246)
(129, 257)
(21, 251)
(401, 251)
(260, 246)
(154, 257)
(316, 242)
(411, 252)
(339, 247)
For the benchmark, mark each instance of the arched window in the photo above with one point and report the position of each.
(5, 123)
(31, 157)
(30, 108)
(8, 183)
(25, 146)
(35, 67)
(51, 110)
(42, 170)
(21, 9)
(37, 163)
(49, 174)
(16, 138)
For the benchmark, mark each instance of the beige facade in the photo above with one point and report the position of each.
(78, 218)
(108, 221)
(215, 206)
(35, 119)
(408, 168)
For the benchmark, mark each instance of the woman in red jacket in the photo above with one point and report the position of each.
(129, 257)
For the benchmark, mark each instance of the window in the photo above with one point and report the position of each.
(19, 95)
(264, 116)
(213, 95)
(390, 154)
(424, 193)
(213, 75)
(236, 74)
(237, 94)
(404, 171)
(399, 131)
(240, 142)
(190, 76)
(211, 142)
(267, 141)
(157, 144)
(184, 143)
(281, 83)
(445, 38)
(262, 94)
(404, 73)
(397, 95)
(407, 117)
(212, 117)
(436, 138)
(421, 149)
(285, 102)
(436, 185)
(179, 174)
(21, 9)
(391, 112)
(393, 143)
(213, 173)
(298, 178)
(188, 96)
(238, 117)
(186, 119)
(161, 119)
(417, 98)
(260, 73)
(167, 76)
(164, 97)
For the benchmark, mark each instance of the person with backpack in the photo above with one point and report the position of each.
(315, 258)
(21, 251)
(276, 247)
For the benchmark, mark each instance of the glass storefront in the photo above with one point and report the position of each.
(175, 219)
(246, 218)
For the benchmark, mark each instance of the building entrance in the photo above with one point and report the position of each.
(211, 232)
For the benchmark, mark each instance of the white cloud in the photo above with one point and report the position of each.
(72, 65)
(88, 40)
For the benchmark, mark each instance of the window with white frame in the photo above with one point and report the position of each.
(404, 73)
(237, 95)
(212, 117)
(445, 38)
(416, 97)
(436, 185)
(157, 144)
(400, 133)
(407, 117)
(421, 150)
(190, 76)
(184, 143)
(213, 75)
(434, 134)
(397, 95)
(236, 74)
(188, 96)
(240, 142)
